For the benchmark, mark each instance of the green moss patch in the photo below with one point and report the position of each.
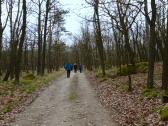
(142, 67)
(126, 70)
(73, 96)
(150, 93)
(29, 77)
(164, 114)
(124, 87)
(8, 107)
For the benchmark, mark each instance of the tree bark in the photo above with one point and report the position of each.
(45, 36)
(22, 40)
(152, 43)
(99, 37)
(1, 33)
(165, 62)
(39, 71)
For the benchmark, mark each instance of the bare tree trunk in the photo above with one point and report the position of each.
(0, 51)
(49, 49)
(1, 33)
(147, 37)
(99, 37)
(45, 36)
(39, 42)
(22, 40)
(165, 61)
(32, 57)
(10, 68)
(2, 28)
(26, 58)
(152, 43)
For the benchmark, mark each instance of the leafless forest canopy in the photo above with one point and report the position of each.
(120, 32)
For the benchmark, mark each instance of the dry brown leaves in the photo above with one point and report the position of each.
(128, 109)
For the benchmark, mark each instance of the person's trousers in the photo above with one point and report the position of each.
(68, 73)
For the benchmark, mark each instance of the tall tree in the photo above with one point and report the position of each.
(21, 42)
(14, 36)
(45, 36)
(39, 65)
(165, 60)
(98, 35)
(152, 42)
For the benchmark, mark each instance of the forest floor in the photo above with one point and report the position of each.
(137, 108)
(66, 102)
(14, 98)
(76, 101)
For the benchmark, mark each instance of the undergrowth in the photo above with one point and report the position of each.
(11, 95)
(164, 114)
(150, 93)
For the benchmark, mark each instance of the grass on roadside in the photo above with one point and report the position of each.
(164, 114)
(12, 95)
(73, 96)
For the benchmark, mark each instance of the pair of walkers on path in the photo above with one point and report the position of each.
(69, 67)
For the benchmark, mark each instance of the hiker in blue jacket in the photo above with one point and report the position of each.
(69, 68)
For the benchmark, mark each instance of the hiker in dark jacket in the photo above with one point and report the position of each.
(68, 68)
(80, 68)
(75, 67)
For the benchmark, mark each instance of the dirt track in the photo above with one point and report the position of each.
(67, 102)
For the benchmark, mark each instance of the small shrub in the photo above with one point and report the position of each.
(8, 107)
(142, 64)
(46, 80)
(26, 82)
(142, 67)
(29, 77)
(3, 93)
(164, 114)
(165, 96)
(30, 88)
(124, 87)
(112, 76)
(99, 75)
(126, 70)
(108, 66)
(150, 93)
(104, 79)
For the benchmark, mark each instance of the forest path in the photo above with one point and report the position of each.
(67, 102)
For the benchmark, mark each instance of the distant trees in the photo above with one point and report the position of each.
(31, 46)
(121, 32)
(17, 40)
(15, 36)
(125, 33)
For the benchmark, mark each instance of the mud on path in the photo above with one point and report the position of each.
(67, 102)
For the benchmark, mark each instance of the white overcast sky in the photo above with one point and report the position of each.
(78, 9)
(73, 20)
